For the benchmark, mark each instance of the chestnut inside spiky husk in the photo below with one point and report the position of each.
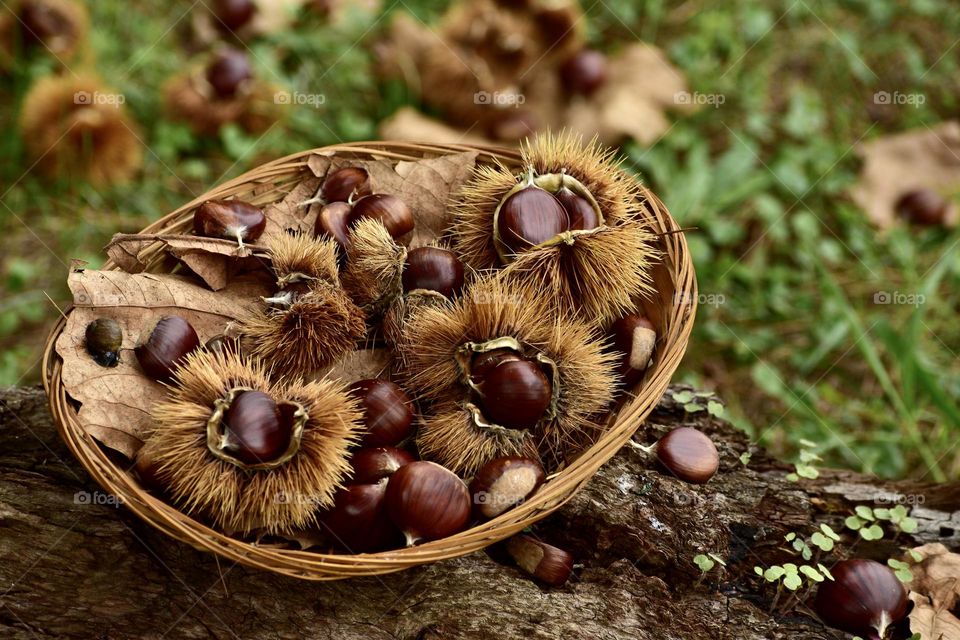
(594, 258)
(246, 452)
(448, 351)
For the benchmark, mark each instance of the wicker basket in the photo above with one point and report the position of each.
(672, 313)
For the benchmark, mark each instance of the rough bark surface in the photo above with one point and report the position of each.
(73, 567)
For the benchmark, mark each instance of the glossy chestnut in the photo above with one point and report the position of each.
(427, 502)
(483, 363)
(635, 338)
(346, 184)
(581, 213)
(387, 412)
(228, 71)
(864, 598)
(584, 72)
(170, 341)
(688, 454)
(332, 223)
(503, 483)
(103, 340)
(359, 522)
(923, 207)
(433, 269)
(547, 563)
(530, 217)
(255, 429)
(373, 464)
(229, 219)
(390, 210)
(514, 394)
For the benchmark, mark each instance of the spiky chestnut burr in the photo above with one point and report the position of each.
(599, 264)
(199, 450)
(310, 321)
(56, 26)
(441, 355)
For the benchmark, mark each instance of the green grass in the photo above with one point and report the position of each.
(788, 332)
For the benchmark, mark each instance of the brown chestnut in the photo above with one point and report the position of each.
(924, 207)
(514, 394)
(230, 219)
(171, 339)
(348, 183)
(373, 464)
(581, 213)
(359, 522)
(543, 561)
(232, 15)
(332, 223)
(387, 411)
(427, 502)
(388, 209)
(255, 429)
(103, 340)
(485, 362)
(584, 72)
(634, 337)
(228, 71)
(864, 598)
(43, 23)
(688, 454)
(529, 217)
(503, 483)
(433, 269)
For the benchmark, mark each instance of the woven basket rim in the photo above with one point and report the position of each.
(560, 487)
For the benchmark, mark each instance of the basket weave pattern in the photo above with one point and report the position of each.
(672, 313)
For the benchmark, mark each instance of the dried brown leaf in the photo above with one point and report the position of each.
(115, 402)
(894, 165)
(289, 215)
(935, 591)
(360, 365)
(409, 125)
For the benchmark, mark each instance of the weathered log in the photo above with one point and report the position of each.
(75, 565)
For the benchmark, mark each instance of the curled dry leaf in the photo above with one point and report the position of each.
(214, 260)
(288, 216)
(115, 402)
(360, 365)
(935, 592)
(895, 165)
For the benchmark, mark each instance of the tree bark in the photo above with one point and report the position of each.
(73, 565)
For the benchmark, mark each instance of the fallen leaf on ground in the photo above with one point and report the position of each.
(935, 592)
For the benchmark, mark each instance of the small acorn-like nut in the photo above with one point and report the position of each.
(543, 561)
(228, 70)
(688, 454)
(635, 337)
(358, 522)
(343, 184)
(233, 15)
(585, 72)
(529, 217)
(168, 344)
(485, 362)
(373, 464)
(427, 502)
(388, 209)
(387, 411)
(103, 338)
(864, 598)
(433, 269)
(581, 213)
(515, 394)
(229, 219)
(503, 483)
(332, 223)
(256, 430)
(924, 207)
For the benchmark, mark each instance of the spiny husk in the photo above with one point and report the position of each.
(403, 307)
(188, 98)
(234, 499)
(496, 308)
(62, 47)
(449, 436)
(374, 266)
(92, 140)
(301, 254)
(318, 328)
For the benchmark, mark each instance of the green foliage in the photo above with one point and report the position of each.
(866, 521)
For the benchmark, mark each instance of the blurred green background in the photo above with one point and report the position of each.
(788, 333)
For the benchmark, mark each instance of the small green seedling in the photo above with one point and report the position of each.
(867, 521)
(706, 563)
(804, 468)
